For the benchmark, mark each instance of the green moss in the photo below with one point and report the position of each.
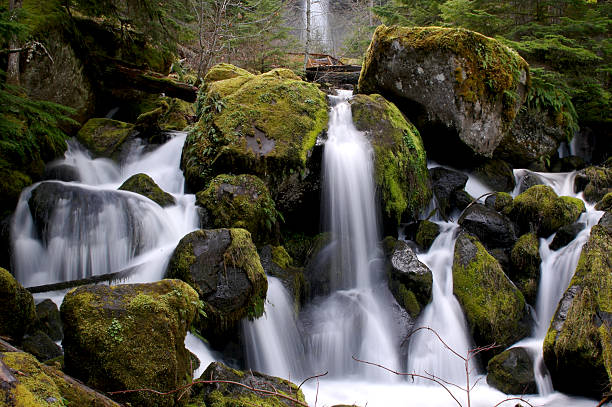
(426, 233)
(144, 185)
(241, 201)
(503, 201)
(606, 203)
(598, 182)
(409, 301)
(103, 137)
(525, 259)
(265, 125)
(490, 70)
(17, 310)
(35, 388)
(400, 161)
(540, 209)
(221, 72)
(494, 307)
(281, 257)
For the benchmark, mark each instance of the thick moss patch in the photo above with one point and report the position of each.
(494, 307)
(525, 271)
(263, 125)
(17, 311)
(104, 137)
(129, 337)
(241, 201)
(144, 185)
(400, 161)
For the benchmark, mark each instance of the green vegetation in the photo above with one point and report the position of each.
(18, 311)
(104, 137)
(144, 185)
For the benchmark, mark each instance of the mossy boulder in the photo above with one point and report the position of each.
(130, 336)
(410, 281)
(224, 71)
(169, 114)
(499, 201)
(540, 210)
(578, 345)
(104, 137)
(596, 182)
(38, 385)
(144, 185)
(231, 395)
(427, 232)
(17, 311)
(278, 263)
(511, 372)
(446, 183)
(223, 266)
(492, 228)
(400, 162)
(497, 174)
(495, 309)
(264, 125)
(525, 266)
(605, 204)
(457, 80)
(241, 201)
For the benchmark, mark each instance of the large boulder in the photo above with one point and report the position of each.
(230, 394)
(17, 311)
(265, 125)
(241, 201)
(540, 210)
(495, 309)
(104, 137)
(596, 182)
(512, 372)
(130, 336)
(497, 174)
(223, 266)
(578, 345)
(468, 86)
(525, 266)
(168, 114)
(410, 281)
(144, 185)
(493, 229)
(446, 184)
(400, 162)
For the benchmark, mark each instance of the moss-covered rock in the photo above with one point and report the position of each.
(104, 137)
(130, 337)
(525, 270)
(12, 182)
(410, 281)
(41, 346)
(499, 201)
(494, 307)
(512, 372)
(400, 161)
(595, 181)
(232, 395)
(224, 71)
(17, 311)
(264, 125)
(38, 385)
(144, 185)
(605, 204)
(454, 77)
(48, 320)
(278, 263)
(497, 174)
(578, 345)
(241, 201)
(224, 268)
(168, 114)
(426, 234)
(540, 210)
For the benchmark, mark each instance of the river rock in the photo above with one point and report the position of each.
(566, 234)
(439, 75)
(596, 182)
(445, 183)
(410, 280)
(61, 172)
(493, 229)
(539, 209)
(495, 309)
(104, 137)
(499, 201)
(241, 201)
(525, 266)
(144, 185)
(511, 372)
(48, 320)
(497, 174)
(426, 233)
(528, 180)
(130, 336)
(400, 162)
(278, 263)
(169, 114)
(606, 203)
(41, 346)
(17, 311)
(223, 266)
(227, 394)
(578, 345)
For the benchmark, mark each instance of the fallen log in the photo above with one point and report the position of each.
(118, 275)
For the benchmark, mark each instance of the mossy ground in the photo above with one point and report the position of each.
(400, 162)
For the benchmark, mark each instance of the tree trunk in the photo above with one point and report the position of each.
(307, 43)
(12, 70)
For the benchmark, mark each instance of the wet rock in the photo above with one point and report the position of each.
(410, 281)
(276, 262)
(169, 114)
(461, 199)
(578, 345)
(525, 270)
(130, 337)
(48, 320)
(40, 345)
(223, 266)
(438, 75)
(144, 185)
(426, 234)
(495, 309)
(17, 311)
(596, 182)
(400, 162)
(492, 228)
(497, 174)
(445, 183)
(319, 265)
(606, 203)
(511, 372)
(61, 172)
(104, 137)
(499, 201)
(565, 235)
(528, 180)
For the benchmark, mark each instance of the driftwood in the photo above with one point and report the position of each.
(63, 381)
(118, 275)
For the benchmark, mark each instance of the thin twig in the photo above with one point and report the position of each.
(310, 378)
